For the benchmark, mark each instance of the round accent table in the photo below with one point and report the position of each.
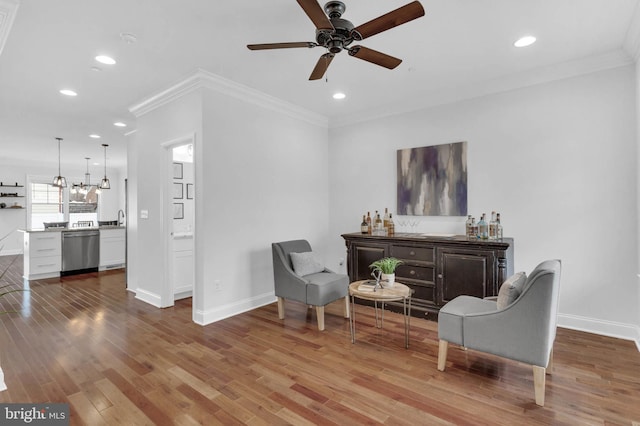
(367, 290)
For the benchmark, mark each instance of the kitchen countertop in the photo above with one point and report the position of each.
(84, 228)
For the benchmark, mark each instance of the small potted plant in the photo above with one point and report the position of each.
(387, 266)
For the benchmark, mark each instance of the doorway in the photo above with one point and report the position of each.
(179, 221)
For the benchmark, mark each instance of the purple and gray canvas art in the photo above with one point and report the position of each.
(432, 180)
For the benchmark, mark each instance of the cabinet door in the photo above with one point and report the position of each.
(465, 272)
(362, 257)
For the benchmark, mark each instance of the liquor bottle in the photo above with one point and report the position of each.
(379, 226)
(364, 228)
(467, 227)
(385, 219)
(391, 227)
(369, 223)
(483, 228)
(474, 228)
(498, 227)
(492, 226)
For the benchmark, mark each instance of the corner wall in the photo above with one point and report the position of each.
(557, 160)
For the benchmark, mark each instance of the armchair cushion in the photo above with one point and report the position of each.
(305, 263)
(511, 289)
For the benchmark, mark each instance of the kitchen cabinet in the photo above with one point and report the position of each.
(183, 276)
(436, 268)
(42, 255)
(112, 249)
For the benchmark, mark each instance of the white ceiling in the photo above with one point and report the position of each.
(457, 45)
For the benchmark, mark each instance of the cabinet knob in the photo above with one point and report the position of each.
(440, 276)
(412, 253)
(412, 272)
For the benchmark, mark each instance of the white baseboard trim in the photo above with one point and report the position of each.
(13, 252)
(148, 297)
(602, 327)
(3, 387)
(217, 314)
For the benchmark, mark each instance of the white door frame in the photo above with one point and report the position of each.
(166, 295)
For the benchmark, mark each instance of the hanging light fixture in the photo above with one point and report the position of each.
(104, 184)
(59, 181)
(83, 187)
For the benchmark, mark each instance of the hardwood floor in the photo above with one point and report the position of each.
(85, 341)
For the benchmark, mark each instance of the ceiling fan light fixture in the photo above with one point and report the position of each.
(525, 41)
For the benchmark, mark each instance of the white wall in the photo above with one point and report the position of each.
(260, 177)
(638, 200)
(146, 172)
(263, 179)
(558, 160)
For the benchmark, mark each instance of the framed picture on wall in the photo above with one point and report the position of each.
(178, 210)
(177, 170)
(177, 191)
(189, 191)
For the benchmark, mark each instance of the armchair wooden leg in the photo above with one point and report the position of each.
(346, 306)
(280, 308)
(320, 313)
(538, 384)
(442, 354)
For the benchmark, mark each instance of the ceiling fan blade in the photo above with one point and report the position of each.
(400, 16)
(288, 45)
(374, 57)
(316, 14)
(321, 66)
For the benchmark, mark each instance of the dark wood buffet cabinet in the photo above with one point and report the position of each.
(436, 268)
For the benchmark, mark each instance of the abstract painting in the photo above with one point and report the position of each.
(432, 180)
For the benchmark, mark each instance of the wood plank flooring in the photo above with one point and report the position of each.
(85, 341)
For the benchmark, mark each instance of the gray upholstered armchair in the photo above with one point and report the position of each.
(523, 330)
(313, 284)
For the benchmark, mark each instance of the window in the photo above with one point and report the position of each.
(47, 204)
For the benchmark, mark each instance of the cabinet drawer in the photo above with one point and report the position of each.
(45, 264)
(423, 292)
(45, 242)
(422, 273)
(420, 254)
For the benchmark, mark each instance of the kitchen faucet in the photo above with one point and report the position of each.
(120, 221)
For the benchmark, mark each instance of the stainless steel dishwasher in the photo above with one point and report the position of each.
(80, 251)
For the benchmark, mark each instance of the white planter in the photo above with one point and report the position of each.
(389, 280)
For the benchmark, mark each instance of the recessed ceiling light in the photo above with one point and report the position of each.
(128, 38)
(68, 92)
(339, 95)
(94, 136)
(525, 41)
(107, 60)
(96, 164)
(97, 69)
(119, 124)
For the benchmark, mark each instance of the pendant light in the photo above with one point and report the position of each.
(83, 187)
(59, 181)
(104, 184)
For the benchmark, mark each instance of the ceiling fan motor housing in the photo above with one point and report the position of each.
(342, 35)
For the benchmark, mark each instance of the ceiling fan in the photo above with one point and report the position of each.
(336, 34)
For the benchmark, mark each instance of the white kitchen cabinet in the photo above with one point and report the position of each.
(112, 248)
(182, 265)
(42, 254)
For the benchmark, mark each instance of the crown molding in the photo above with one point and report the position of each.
(632, 40)
(8, 10)
(423, 100)
(205, 79)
